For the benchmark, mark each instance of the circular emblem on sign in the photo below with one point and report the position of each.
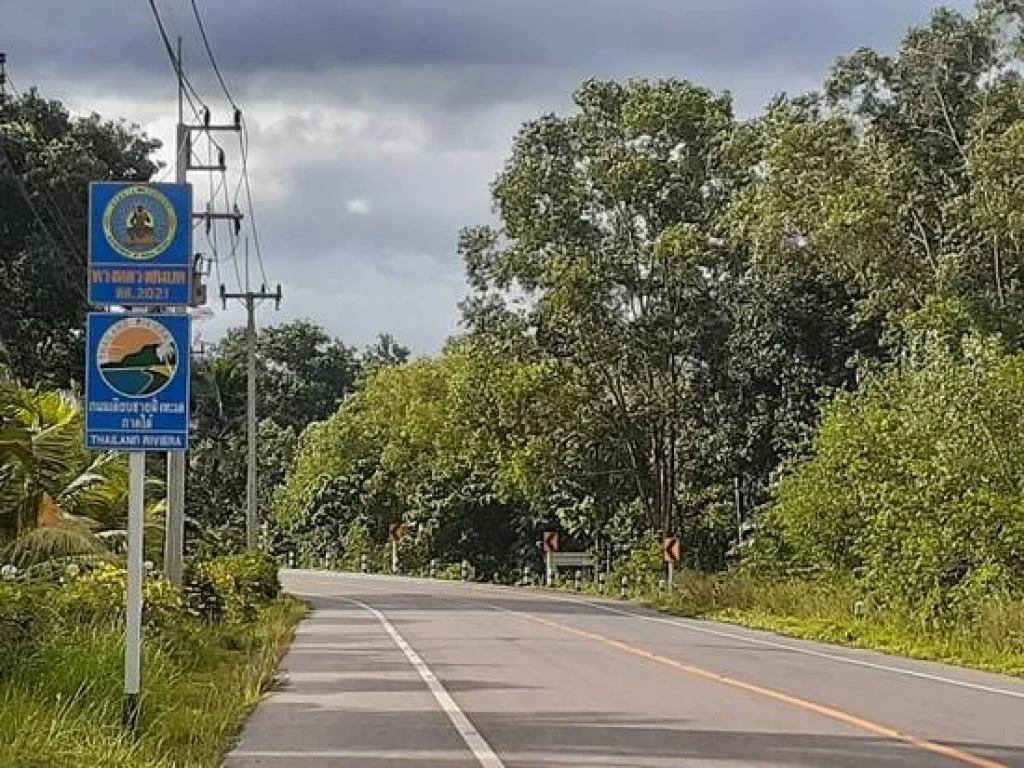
(137, 357)
(140, 222)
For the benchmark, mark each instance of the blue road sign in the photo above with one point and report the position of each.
(137, 382)
(140, 244)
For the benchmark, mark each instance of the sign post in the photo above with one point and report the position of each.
(550, 540)
(137, 382)
(395, 532)
(133, 635)
(673, 554)
(137, 365)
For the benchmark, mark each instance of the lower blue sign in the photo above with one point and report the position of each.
(137, 382)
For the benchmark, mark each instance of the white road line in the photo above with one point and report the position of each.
(477, 744)
(397, 756)
(692, 627)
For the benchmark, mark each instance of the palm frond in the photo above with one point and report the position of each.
(39, 545)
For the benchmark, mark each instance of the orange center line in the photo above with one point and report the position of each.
(830, 712)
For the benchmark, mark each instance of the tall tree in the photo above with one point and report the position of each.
(385, 351)
(609, 224)
(47, 160)
(302, 373)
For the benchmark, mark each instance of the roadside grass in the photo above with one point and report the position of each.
(61, 708)
(990, 638)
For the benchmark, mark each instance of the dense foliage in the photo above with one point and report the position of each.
(915, 483)
(62, 662)
(794, 340)
(47, 160)
(793, 336)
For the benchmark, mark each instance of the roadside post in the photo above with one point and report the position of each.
(395, 533)
(673, 554)
(550, 542)
(578, 580)
(137, 366)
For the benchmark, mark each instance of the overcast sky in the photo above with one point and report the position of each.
(376, 126)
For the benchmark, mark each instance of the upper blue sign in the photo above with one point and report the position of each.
(140, 244)
(137, 382)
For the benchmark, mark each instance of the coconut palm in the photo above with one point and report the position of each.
(55, 495)
(219, 390)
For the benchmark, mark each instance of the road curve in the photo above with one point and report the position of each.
(402, 672)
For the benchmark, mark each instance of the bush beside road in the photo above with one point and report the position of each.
(210, 650)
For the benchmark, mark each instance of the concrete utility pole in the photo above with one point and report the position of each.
(3, 78)
(174, 530)
(174, 522)
(250, 298)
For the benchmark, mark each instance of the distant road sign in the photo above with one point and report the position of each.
(571, 559)
(396, 531)
(140, 244)
(673, 550)
(137, 382)
(550, 541)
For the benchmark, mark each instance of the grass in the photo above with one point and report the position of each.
(991, 639)
(62, 707)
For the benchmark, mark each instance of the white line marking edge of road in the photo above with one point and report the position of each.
(476, 743)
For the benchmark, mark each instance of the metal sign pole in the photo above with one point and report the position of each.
(550, 568)
(133, 641)
(671, 573)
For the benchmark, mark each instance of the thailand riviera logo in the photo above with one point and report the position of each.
(137, 357)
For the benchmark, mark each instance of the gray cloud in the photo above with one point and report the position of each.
(376, 125)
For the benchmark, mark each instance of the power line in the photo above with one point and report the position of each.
(244, 146)
(209, 52)
(178, 69)
(20, 183)
(243, 140)
(234, 242)
(65, 228)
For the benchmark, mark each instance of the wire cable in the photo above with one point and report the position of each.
(209, 53)
(244, 146)
(55, 211)
(175, 64)
(243, 140)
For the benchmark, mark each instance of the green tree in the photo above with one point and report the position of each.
(302, 373)
(56, 497)
(609, 225)
(913, 482)
(385, 351)
(896, 181)
(47, 160)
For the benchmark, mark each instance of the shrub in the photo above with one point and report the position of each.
(232, 588)
(100, 596)
(914, 484)
(644, 567)
(22, 615)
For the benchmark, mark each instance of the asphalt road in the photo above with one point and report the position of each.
(401, 673)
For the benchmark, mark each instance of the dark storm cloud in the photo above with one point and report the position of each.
(485, 49)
